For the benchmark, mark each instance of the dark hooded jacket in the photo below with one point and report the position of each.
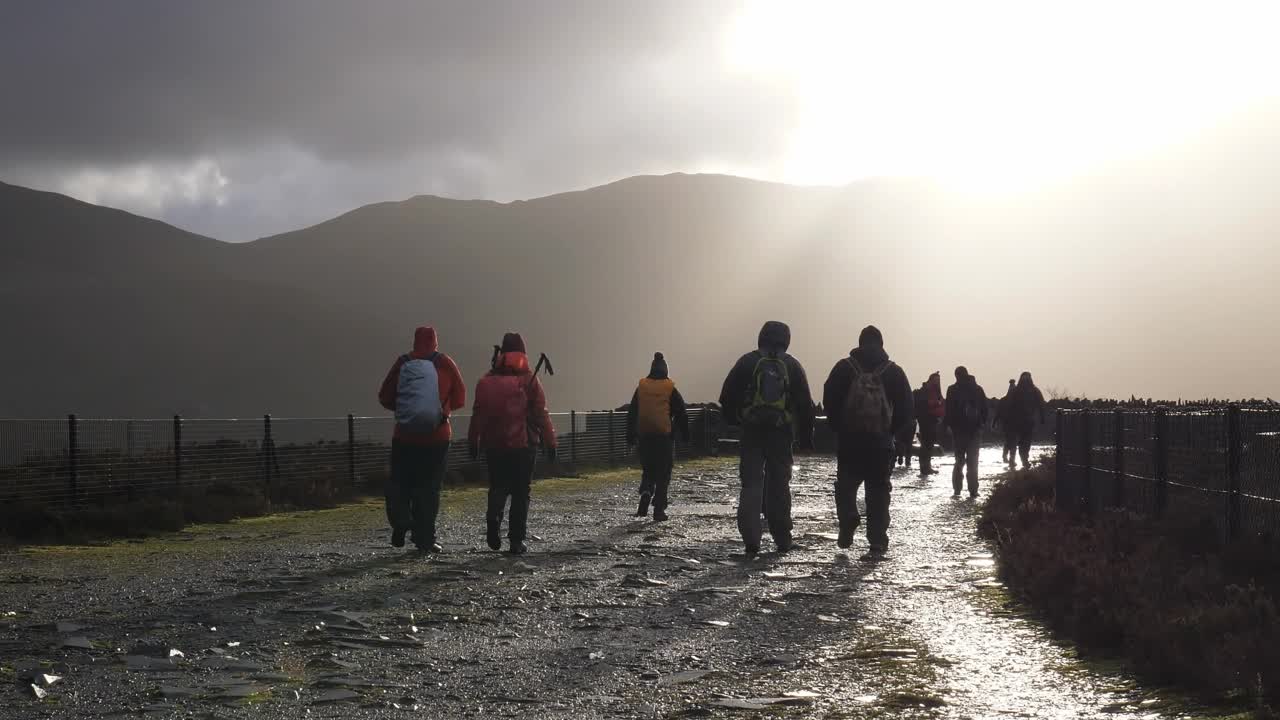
(775, 338)
(896, 386)
(965, 391)
(679, 412)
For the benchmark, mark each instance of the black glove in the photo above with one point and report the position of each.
(551, 455)
(474, 452)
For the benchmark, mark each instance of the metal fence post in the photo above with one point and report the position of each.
(1162, 459)
(1060, 462)
(73, 456)
(351, 450)
(268, 454)
(573, 436)
(1119, 499)
(1086, 484)
(177, 450)
(1235, 442)
(611, 448)
(706, 430)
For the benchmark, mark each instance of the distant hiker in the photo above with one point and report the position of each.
(966, 416)
(657, 412)
(422, 389)
(767, 394)
(1005, 422)
(509, 422)
(869, 403)
(930, 408)
(1027, 405)
(903, 441)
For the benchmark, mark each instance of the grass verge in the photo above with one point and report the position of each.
(1181, 606)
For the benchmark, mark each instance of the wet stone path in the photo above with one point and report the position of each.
(607, 616)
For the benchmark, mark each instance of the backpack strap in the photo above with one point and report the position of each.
(857, 371)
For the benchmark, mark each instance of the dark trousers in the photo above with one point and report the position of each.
(1022, 439)
(856, 464)
(968, 443)
(413, 490)
(1010, 445)
(765, 469)
(928, 439)
(510, 475)
(656, 460)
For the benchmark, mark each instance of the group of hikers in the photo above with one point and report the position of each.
(871, 410)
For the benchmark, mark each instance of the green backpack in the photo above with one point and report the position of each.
(768, 394)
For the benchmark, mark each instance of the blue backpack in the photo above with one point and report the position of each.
(418, 406)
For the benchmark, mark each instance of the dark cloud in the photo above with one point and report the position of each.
(372, 101)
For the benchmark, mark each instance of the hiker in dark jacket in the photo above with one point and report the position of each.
(869, 402)
(1026, 406)
(930, 407)
(419, 455)
(1005, 422)
(656, 414)
(767, 394)
(966, 416)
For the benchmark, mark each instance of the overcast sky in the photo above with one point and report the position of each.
(242, 118)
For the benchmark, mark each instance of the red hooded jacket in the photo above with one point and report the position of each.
(453, 392)
(510, 405)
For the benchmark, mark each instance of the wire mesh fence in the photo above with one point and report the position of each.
(77, 461)
(1222, 464)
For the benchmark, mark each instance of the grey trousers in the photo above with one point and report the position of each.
(765, 469)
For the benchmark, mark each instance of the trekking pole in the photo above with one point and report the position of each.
(543, 360)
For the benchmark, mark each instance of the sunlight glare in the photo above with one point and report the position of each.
(1000, 94)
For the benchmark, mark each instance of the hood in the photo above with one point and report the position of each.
(935, 381)
(658, 370)
(512, 363)
(775, 337)
(870, 357)
(425, 342)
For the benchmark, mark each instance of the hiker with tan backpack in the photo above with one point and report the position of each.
(656, 415)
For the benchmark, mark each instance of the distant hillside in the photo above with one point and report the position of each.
(108, 313)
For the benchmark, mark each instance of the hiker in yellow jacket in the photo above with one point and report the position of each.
(656, 414)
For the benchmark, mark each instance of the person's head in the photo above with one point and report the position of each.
(871, 338)
(962, 373)
(775, 338)
(425, 341)
(512, 343)
(1024, 380)
(1011, 382)
(658, 368)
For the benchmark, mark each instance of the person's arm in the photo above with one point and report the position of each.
(476, 423)
(541, 418)
(735, 385)
(802, 407)
(1040, 403)
(456, 397)
(387, 393)
(904, 411)
(633, 417)
(834, 391)
(679, 415)
(949, 414)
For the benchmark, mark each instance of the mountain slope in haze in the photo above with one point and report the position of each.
(1132, 285)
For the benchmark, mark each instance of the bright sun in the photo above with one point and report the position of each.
(995, 95)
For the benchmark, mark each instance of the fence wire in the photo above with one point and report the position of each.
(1219, 464)
(80, 461)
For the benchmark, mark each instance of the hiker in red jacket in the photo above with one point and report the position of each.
(509, 422)
(422, 389)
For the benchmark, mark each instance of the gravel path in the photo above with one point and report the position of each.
(607, 616)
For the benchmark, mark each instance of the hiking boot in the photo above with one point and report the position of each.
(431, 548)
(518, 547)
(845, 540)
(659, 515)
(973, 494)
(878, 551)
(751, 551)
(493, 538)
(397, 538)
(643, 510)
(783, 546)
